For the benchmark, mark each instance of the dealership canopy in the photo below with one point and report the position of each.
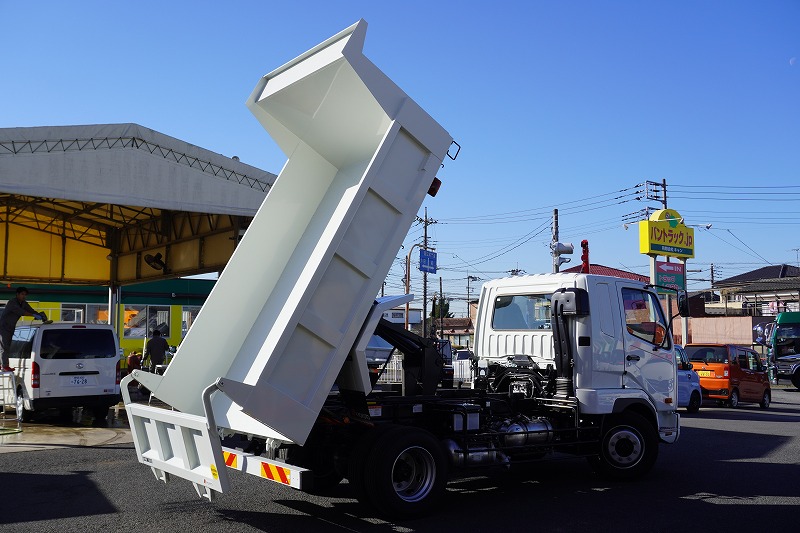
(116, 204)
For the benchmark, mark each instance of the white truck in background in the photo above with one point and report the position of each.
(565, 363)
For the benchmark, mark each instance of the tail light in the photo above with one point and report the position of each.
(35, 375)
(118, 374)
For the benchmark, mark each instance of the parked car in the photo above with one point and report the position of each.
(462, 355)
(730, 374)
(65, 365)
(690, 394)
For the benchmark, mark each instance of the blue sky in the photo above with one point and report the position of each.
(563, 105)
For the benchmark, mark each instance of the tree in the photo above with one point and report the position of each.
(445, 305)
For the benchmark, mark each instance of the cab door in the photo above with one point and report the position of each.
(649, 364)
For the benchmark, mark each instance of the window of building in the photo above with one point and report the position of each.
(96, 314)
(141, 320)
(188, 316)
(75, 313)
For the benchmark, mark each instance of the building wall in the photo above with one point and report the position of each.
(730, 329)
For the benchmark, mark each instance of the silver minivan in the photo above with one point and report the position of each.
(65, 365)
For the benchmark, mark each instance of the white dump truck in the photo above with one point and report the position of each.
(272, 379)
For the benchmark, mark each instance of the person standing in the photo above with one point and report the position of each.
(156, 349)
(14, 309)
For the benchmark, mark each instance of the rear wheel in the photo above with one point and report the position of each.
(23, 415)
(734, 399)
(357, 462)
(406, 473)
(766, 399)
(629, 447)
(694, 403)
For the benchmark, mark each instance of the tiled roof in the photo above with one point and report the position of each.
(771, 285)
(608, 271)
(771, 272)
(454, 323)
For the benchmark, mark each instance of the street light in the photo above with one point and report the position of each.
(408, 279)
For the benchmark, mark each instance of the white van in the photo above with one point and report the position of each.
(65, 365)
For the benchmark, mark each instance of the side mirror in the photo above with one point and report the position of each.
(683, 303)
(689, 366)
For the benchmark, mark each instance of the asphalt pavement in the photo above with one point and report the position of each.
(732, 469)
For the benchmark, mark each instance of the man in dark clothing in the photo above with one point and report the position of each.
(156, 350)
(14, 309)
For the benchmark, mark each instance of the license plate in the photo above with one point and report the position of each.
(706, 373)
(79, 380)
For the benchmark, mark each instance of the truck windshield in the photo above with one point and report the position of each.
(787, 340)
(78, 344)
(521, 311)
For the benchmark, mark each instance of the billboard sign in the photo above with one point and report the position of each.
(672, 275)
(666, 234)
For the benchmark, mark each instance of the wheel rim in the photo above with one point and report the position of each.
(625, 447)
(766, 399)
(413, 474)
(734, 399)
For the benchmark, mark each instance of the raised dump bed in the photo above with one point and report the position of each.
(277, 327)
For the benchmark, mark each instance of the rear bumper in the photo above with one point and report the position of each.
(716, 393)
(105, 400)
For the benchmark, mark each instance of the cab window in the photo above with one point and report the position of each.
(521, 311)
(643, 316)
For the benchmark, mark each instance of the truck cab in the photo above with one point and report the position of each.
(784, 347)
(624, 352)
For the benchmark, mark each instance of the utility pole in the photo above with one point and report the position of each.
(554, 242)
(426, 222)
(470, 278)
(557, 249)
(441, 306)
(425, 281)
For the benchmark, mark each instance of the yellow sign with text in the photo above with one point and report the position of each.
(666, 234)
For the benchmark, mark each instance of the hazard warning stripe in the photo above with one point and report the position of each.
(230, 459)
(271, 469)
(276, 473)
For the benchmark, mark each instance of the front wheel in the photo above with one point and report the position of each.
(694, 403)
(629, 447)
(765, 400)
(796, 379)
(405, 475)
(734, 399)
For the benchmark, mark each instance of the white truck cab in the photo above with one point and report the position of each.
(624, 354)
